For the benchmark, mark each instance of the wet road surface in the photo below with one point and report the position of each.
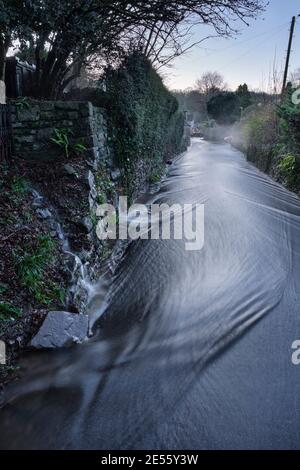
(195, 350)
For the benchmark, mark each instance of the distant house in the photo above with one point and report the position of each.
(19, 78)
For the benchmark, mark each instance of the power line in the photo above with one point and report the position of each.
(238, 43)
(251, 49)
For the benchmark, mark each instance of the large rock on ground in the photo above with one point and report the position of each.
(61, 329)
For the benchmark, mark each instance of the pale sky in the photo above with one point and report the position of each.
(246, 58)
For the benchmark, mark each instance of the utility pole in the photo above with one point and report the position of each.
(286, 70)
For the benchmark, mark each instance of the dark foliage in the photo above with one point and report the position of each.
(144, 121)
(289, 114)
(224, 108)
(62, 36)
(244, 96)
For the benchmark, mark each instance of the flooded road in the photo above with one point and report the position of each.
(195, 347)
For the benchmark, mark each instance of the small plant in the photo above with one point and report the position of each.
(290, 170)
(79, 148)
(288, 164)
(104, 185)
(20, 186)
(28, 216)
(156, 174)
(22, 103)
(62, 139)
(101, 199)
(8, 311)
(105, 253)
(12, 369)
(50, 294)
(154, 177)
(31, 266)
(8, 220)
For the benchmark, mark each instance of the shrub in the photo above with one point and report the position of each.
(31, 264)
(290, 168)
(20, 186)
(224, 108)
(261, 127)
(270, 135)
(259, 135)
(289, 114)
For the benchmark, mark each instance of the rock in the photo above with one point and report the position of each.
(47, 106)
(86, 109)
(61, 329)
(91, 180)
(73, 115)
(92, 185)
(45, 134)
(67, 105)
(44, 213)
(26, 139)
(169, 162)
(88, 224)
(70, 170)
(115, 174)
(28, 114)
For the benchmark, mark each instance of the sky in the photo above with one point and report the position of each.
(248, 57)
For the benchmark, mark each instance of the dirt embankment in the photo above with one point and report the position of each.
(43, 206)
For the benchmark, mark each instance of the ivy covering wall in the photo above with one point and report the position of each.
(145, 124)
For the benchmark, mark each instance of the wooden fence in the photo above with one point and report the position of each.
(5, 132)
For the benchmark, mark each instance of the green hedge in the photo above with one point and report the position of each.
(145, 124)
(289, 114)
(270, 137)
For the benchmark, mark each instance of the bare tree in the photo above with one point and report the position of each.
(211, 83)
(64, 34)
(295, 77)
(10, 27)
(164, 42)
(275, 79)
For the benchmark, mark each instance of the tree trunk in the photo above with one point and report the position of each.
(50, 76)
(4, 45)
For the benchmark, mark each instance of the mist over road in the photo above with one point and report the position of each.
(195, 351)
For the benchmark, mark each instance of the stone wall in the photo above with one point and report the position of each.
(34, 123)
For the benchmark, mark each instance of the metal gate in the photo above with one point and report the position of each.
(5, 132)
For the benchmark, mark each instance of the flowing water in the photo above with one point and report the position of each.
(194, 349)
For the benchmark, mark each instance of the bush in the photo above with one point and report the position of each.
(259, 136)
(261, 127)
(31, 264)
(270, 136)
(290, 169)
(224, 108)
(289, 114)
